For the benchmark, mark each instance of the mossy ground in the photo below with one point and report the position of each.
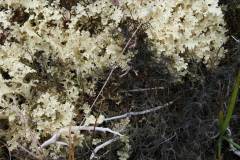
(184, 131)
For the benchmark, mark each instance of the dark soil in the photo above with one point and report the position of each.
(188, 129)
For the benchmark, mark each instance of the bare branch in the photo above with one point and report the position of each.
(3, 144)
(56, 136)
(237, 40)
(110, 74)
(29, 152)
(130, 114)
(142, 89)
(168, 139)
(125, 72)
(104, 85)
(129, 41)
(102, 146)
(62, 143)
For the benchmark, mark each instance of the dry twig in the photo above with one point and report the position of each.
(3, 144)
(56, 136)
(104, 85)
(110, 74)
(142, 89)
(103, 145)
(29, 152)
(130, 114)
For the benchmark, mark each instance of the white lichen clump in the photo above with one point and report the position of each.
(183, 30)
(51, 57)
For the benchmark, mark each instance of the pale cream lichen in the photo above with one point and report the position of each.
(183, 30)
(53, 57)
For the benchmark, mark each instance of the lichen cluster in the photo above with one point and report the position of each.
(182, 30)
(51, 56)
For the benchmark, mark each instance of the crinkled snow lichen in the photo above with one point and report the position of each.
(182, 30)
(51, 57)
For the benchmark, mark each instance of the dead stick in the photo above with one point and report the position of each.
(56, 136)
(130, 114)
(102, 146)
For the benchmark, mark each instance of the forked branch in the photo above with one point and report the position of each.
(55, 137)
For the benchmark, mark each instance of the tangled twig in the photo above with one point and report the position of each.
(56, 136)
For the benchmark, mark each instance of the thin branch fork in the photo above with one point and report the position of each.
(103, 145)
(130, 114)
(55, 137)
